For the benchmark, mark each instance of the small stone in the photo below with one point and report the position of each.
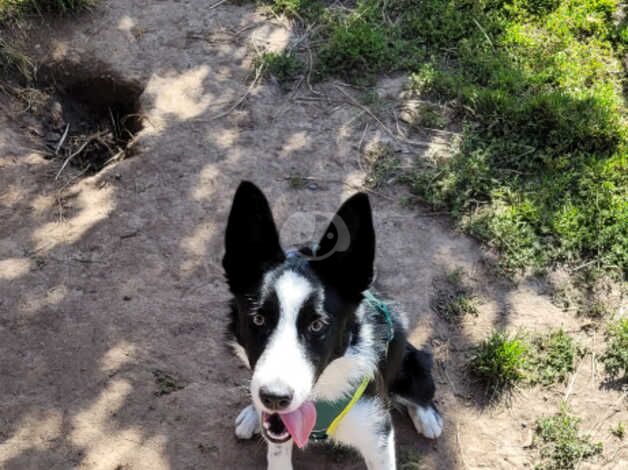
(312, 186)
(126, 298)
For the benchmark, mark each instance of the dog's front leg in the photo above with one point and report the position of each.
(280, 456)
(368, 428)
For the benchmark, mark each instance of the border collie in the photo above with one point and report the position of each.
(328, 359)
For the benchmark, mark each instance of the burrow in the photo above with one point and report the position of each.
(88, 115)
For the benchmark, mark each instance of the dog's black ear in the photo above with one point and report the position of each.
(251, 241)
(345, 255)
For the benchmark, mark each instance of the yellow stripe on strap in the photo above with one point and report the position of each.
(354, 399)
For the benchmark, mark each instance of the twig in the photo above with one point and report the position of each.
(81, 148)
(62, 140)
(462, 457)
(258, 74)
(217, 4)
(383, 126)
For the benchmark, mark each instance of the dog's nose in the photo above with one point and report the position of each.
(276, 400)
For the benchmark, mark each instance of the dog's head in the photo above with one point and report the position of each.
(294, 312)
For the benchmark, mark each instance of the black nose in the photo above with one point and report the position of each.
(276, 400)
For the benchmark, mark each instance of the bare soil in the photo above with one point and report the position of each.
(112, 300)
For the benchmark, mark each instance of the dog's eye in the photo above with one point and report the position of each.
(317, 326)
(258, 320)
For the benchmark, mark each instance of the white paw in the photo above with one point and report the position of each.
(427, 420)
(247, 423)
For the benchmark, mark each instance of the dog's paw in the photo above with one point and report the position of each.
(247, 423)
(426, 420)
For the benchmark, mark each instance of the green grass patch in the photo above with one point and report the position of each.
(560, 444)
(542, 170)
(503, 360)
(619, 430)
(615, 358)
(552, 358)
(499, 361)
(283, 67)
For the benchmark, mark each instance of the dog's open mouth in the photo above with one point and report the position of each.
(297, 424)
(273, 428)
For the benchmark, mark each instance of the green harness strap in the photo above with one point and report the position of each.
(330, 413)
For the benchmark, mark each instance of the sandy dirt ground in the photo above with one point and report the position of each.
(112, 281)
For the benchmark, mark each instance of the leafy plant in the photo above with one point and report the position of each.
(499, 361)
(615, 358)
(561, 447)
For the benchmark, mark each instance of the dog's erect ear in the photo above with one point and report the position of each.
(345, 255)
(251, 240)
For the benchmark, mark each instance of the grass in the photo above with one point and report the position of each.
(542, 168)
(615, 358)
(502, 361)
(14, 8)
(283, 67)
(383, 166)
(561, 446)
(453, 300)
(619, 431)
(553, 358)
(499, 361)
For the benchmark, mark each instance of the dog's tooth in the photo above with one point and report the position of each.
(266, 425)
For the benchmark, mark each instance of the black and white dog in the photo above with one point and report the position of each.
(327, 359)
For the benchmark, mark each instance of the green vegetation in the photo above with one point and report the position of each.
(499, 361)
(383, 165)
(502, 360)
(453, 300)
(552, 358)
(615, 358)
(561, 447)
(619, 431)
(282, 66)
(542, 169)
(11, 8)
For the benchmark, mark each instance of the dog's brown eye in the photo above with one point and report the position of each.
(258, 320)
(317, 326)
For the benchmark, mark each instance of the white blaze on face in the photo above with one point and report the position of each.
(284, 361)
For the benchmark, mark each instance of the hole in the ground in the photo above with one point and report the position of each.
(92, 116)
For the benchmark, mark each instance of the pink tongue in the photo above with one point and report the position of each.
(300, 423)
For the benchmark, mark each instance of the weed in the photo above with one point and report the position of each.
(383, 166)
(619, 431)
(297, 182)
(410, 459)
(552, 357)
(15, 63)
(499, 361)
(561, 447)
(615, 358)
(284, 67)
(12, 8)
(453, 300)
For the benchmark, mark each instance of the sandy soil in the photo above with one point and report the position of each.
(106, 279)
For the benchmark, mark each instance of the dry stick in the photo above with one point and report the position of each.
(62, 140)
(462, 457)
(383, 126)
(258, 74)
(217, 4)
(81, 148)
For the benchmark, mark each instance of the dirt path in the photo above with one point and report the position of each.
(112, 303)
